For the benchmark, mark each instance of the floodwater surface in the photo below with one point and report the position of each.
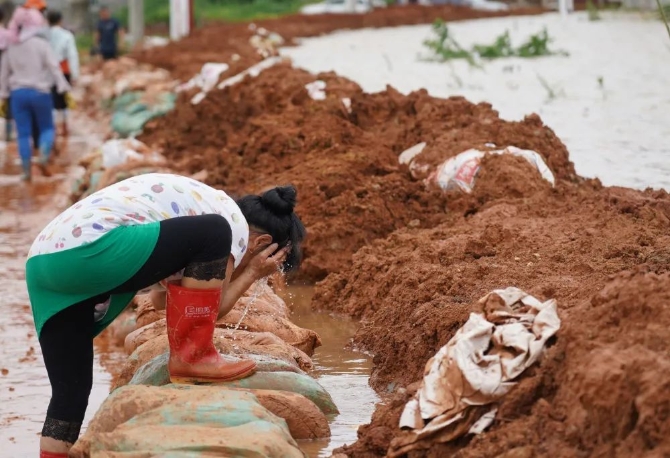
(342, 372)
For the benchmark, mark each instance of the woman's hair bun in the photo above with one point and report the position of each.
(280, 200)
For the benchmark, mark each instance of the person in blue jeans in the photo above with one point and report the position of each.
(27, 73)
(109, 32)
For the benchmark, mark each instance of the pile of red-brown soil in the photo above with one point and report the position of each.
(600, 390)
(219, 42)
(267, 131)
(412, 261)
(414, 289)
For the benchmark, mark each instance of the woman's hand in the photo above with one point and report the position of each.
(265, 263)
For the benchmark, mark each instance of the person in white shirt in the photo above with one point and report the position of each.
(65, 48)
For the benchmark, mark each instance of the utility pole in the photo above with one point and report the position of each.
(182, 18)
(136, 21)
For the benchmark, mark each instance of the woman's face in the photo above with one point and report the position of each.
(258, 241)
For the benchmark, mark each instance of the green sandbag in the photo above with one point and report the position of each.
(126, 99)
(224, 412)
(149, 421)
(126, 124)
(130, 116)
(282, 381)
(155, 372)
(260, 439)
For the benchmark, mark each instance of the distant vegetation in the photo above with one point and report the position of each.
(158, 11)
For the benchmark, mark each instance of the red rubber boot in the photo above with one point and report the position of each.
(44, 454)
(191, 315)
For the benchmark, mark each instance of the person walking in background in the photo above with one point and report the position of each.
(27, 72)
(29, 16)
(65, 48)
(108, 34)
(5, 40)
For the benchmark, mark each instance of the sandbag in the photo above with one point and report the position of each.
(285, 381)
(262, 298)
(146, 312)
(260, 321)
(254, 440)
(127, 124)
(119, 329)
(305, 419)
(131, 118)
(144, 334)
(305, 340)
(155, 371)
(142, 419)
(227, 342)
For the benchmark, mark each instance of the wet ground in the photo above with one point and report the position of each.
(24, 210)
(24, 384)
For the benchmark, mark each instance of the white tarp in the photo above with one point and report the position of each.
(467, 377)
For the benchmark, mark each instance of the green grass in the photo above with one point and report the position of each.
(158, 11)
(84, 42)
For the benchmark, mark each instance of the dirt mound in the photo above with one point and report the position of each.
(218, 42)
(267, 131)
(414, 288)
(601, 390)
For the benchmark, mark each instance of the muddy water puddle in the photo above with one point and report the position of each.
(24, 210)
(343, 373)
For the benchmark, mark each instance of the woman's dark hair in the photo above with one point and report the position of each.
(272, 212)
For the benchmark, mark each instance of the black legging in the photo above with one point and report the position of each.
(200, 244)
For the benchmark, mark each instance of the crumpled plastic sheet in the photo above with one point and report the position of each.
(467, 377)
(460, 171)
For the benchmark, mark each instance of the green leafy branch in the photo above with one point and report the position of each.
(445, 47)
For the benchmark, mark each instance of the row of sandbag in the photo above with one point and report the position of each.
(133, 93)
(114, 161)
(260, 416)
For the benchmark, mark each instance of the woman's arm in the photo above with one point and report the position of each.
(261, 265)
